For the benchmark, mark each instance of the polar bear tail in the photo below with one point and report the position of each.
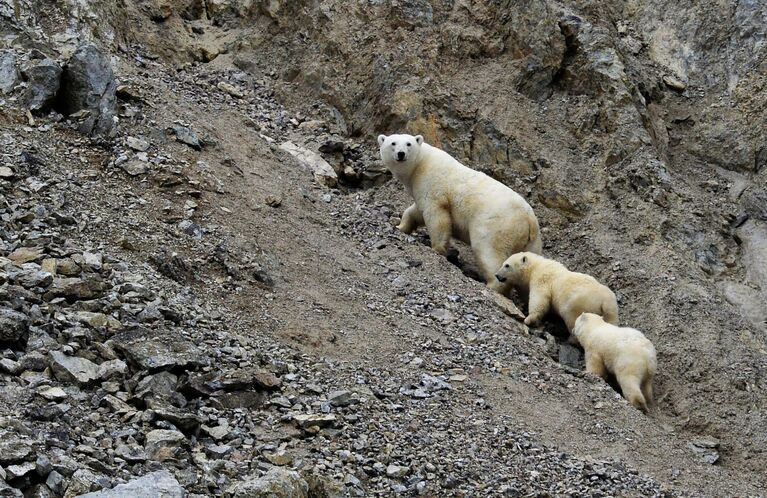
(610, 312)
(534, 243)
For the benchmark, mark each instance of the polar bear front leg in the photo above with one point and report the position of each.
(538, 306)
(595, 365)
(411, 220)
(439, 225)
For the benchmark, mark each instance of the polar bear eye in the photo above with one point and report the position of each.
(505, 266)
(408, 144)
(393, 144)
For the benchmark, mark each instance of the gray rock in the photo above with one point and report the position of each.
(414, 13)
(9, 366)
(75, 289)
(55, 482)
(397, 471)
(52, 393)
(131, 453)
(341, 398)
(570, 355)
(184, 420)
(88, 83)
(30, 278)
(277, 483)
(13, 449)
(13, 326)
(93, 260)
(82, 481)
(150, 351)
(73, 369)
(20, 470)
(43, 82)
(706, 449)
(187, 136)
(6, 491)
(306, 421)
(9, 74)
(137, 144)
(134, 167)
(162, 445)
(112, 369)
(323, 172)
(34, 360)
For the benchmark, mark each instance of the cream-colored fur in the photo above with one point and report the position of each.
(622, 351)
(452, 200)
(551, 286)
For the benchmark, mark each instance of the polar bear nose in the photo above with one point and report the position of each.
(401, 156)
(500, 278)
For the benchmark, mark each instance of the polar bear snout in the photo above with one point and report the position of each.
(401, 156)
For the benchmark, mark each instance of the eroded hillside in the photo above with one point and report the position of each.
(181, 298)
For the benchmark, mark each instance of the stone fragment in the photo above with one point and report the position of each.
(323, 172)
(150, 350)
(162, 445)
(276, 483)
(306, 421)
(134, 167)
(137, 144)
(43, 82)
(13, 449)
(52, 393)
(14, 326)
(72, 369)
(88, 84)
(187, 136)
(9, 74)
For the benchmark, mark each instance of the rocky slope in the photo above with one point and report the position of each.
(200, 282)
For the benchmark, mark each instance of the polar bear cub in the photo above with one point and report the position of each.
(452, 200)
(550, 285)
(622, 351)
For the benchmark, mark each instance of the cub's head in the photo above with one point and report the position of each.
(399, 151)
(584, 321)
(513, 267)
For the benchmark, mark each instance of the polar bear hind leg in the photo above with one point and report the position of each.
(630, 387)
(647, 389)
(411, 220)
(439, 225)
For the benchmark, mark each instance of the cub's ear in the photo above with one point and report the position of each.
(524, 259)
(381, 139)
(419, 139)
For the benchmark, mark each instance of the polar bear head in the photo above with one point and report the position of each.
(584, 322)
(398, 152)
(514, 268)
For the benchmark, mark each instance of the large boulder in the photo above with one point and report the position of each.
(88, 84)
(43, 82)
(13, 326)
(277, 483)
(9, 74)
(160, 484)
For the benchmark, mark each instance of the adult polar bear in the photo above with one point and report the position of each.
(455, 201)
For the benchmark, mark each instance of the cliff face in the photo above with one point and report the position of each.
(636, 130)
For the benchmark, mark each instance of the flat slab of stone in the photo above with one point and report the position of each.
(160, 484)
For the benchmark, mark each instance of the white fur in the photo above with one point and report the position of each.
(622, 351)
(452, 200)
(551, 286)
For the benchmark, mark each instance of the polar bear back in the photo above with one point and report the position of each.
(468, 189)
(622, 348)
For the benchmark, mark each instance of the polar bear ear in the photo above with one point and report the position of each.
(381, 139)
(419, 139)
